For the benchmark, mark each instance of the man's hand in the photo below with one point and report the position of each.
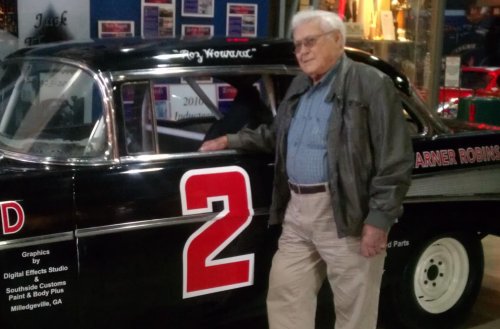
(219, 143)
(373, 240)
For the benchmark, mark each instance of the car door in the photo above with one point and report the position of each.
(171, 237)
(45, 114)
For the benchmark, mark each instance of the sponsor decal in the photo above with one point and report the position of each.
(398, 244)
(209, 53)
(33, 280)
(12, 215)
(460, 156)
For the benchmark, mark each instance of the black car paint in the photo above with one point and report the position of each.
(99, 222)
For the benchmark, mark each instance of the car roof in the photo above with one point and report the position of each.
(136, 53)
(123, 54)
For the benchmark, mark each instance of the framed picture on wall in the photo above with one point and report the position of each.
(116, 29)
(241, 19)
(198, 8)
(197, 30)
(158, 18)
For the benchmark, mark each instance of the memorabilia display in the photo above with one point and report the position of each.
(372, 17)
(158, 18)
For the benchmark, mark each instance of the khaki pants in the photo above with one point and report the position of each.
(308, 251)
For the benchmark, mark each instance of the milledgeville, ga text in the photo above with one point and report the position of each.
(34, 306)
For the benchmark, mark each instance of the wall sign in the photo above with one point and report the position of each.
(43, 21)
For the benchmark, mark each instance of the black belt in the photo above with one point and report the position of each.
(307, 189)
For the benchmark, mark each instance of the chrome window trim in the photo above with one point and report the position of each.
(152, 223)
(104, 84)
(148, 74)
(120, 76)
(143, 224)
(142, 158)
(70, 162)
(36, 240)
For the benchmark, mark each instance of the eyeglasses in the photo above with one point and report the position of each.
(308, 42)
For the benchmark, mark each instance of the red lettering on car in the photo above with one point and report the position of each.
(202, 272)
(12, 217)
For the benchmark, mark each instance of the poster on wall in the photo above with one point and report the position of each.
(43, 21)
(198, 8)
(158, 18)
(197, 30)
(116, 29)
(241, 19)
(162, 104)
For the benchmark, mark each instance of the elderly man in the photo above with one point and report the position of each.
(343, 166)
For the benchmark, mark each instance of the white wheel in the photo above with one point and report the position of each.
(441, 275)
(435, 284)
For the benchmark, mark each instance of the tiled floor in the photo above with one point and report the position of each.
(486, 312)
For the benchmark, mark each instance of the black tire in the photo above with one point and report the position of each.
(437, 286)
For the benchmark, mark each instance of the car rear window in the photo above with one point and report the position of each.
(50, 109)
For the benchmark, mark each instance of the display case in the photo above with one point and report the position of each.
(398, 31)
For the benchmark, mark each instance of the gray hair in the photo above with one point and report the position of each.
(328, 21)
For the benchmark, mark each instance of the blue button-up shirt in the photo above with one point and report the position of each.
(306, 161)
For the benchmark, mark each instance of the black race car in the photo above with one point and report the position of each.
(111, 218)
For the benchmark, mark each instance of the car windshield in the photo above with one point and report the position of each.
(50, 109)
(474, 80)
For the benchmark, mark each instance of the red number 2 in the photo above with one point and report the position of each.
(202, 273)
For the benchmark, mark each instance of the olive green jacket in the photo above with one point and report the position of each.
(369, 150)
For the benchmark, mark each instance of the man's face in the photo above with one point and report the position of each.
(316, 51)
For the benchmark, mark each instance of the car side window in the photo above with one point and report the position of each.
(183, 113)
(189, 110)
